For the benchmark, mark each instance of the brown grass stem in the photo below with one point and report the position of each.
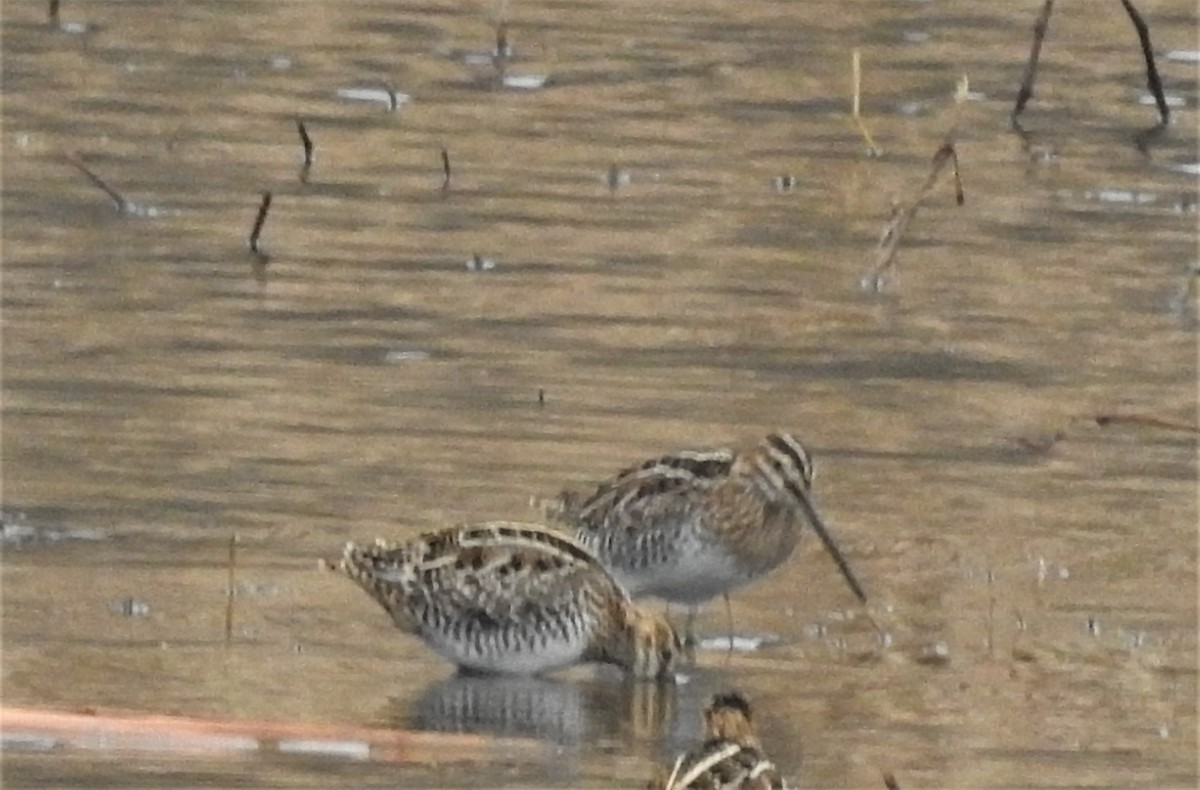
(122, 205)
(902, 214)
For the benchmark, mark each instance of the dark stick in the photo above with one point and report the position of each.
(123, 206)
(393, 100)
(1039, 34)
(306, 141)
(445, 170)
(1152, 79)
(500, 56)
(256, 231)
(54, 12)
(613, 177)
(502, 39)
(229, 590)
(1040, 444)
(959, 197)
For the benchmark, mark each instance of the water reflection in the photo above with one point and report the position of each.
(530, 707)
(568, 712)
(572, 712)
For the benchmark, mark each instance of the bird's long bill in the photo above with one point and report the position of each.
(823, 532)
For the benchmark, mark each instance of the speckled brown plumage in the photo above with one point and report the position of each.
(693, 525)
(511, 598)
(730, 756)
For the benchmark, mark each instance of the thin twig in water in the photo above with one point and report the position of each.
(230, 588)
(613, 178)
(856, 77)
(1147, 420)
(445, 170)
(991, 615)
(1026, 91)
(500, 55)
(307, 142)
(1153, 82)
(502, 39)
(1183, 301)
(122, 205)
(1104, 420)
(902, 215)
(1144, 138)
(260, 219)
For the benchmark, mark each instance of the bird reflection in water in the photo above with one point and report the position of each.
(569, 712)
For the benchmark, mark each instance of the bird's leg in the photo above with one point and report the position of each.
(729, 614)
(689, 632)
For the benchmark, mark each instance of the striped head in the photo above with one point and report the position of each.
(778, 468)
(729, 717)
(781, 471)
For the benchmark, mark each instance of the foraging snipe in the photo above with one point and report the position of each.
(694, 525)
(511, 598)
(729, 758)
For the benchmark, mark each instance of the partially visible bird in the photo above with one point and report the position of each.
(729, 758)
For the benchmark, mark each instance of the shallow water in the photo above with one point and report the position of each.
(1039, 597)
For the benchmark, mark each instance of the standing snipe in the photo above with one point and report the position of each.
(511, 598)
(694, 525)
(729, 758)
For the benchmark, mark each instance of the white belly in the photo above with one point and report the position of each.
(521, 658)
(693, 577)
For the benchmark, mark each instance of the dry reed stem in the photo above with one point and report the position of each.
(856, 78)
(902, 214)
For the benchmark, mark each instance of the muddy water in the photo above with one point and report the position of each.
(1039, 597)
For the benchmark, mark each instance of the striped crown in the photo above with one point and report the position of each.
(777, 466)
